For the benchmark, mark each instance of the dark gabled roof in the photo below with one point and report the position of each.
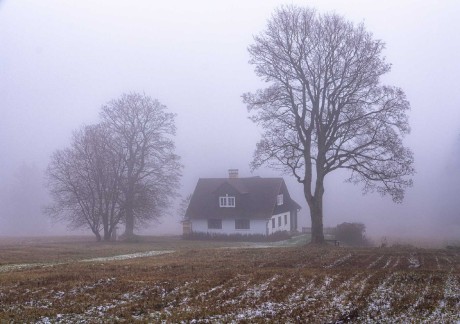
(255, 198)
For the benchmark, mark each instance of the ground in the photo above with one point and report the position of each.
(171, 280)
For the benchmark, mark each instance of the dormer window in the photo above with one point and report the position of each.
(279, 199)
(226, 201)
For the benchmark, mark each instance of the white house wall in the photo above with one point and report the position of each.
(256, 226)
(283, 227)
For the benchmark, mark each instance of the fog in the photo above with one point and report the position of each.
(60, 61)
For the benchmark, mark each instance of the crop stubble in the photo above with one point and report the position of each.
(207, 285)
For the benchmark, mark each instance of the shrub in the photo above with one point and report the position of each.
(351, 233)
(277, 236)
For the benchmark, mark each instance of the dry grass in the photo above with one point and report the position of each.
(215, 284)
(65, 249)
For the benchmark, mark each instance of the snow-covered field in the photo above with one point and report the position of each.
(289, 285)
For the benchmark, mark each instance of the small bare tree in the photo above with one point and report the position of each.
(85, 181)
(143, 132)
(325, 107)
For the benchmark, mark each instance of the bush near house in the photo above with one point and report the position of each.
(277, 236)
(351, 234)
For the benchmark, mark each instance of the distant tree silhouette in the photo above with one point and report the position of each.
(85, 183)
(122, 170)
(143, 134)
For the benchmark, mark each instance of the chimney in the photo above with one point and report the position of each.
(232, 173)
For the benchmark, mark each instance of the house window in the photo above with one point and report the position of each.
(279, 221)
(279, 199)
(214, 223)
(285, 219)
(226, 201)
(273, 223)
(242, 224)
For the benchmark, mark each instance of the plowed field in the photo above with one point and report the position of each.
(237, 284)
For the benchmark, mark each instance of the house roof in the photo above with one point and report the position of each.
(255, 198)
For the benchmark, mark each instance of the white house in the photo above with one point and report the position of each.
(241, 205)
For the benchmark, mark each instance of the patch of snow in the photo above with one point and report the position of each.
(43, 304)
(371, 265)
(414, 261)
(252, 293)
(128, 256)
(452, 288)
(25, 266)
(425, 292)
(448, 260)
(390, 259)
(58, 294)
(259, 290)
(299, 294)
(99, 283)
(339, 261)
(438, 266)
(379, 303)
(203, 295)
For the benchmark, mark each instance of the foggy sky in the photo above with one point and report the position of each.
(61, 60)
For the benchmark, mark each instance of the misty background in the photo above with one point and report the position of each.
(60, 61)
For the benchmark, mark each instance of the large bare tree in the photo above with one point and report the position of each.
(85, 183)
(144, 132)
(325, 107)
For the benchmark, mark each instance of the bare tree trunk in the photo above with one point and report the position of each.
(107, 233)
(129, 202)
(315, 203)
(129, 225)
(316, 214)
(105, 224)
(98, 236)
(129, 216)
